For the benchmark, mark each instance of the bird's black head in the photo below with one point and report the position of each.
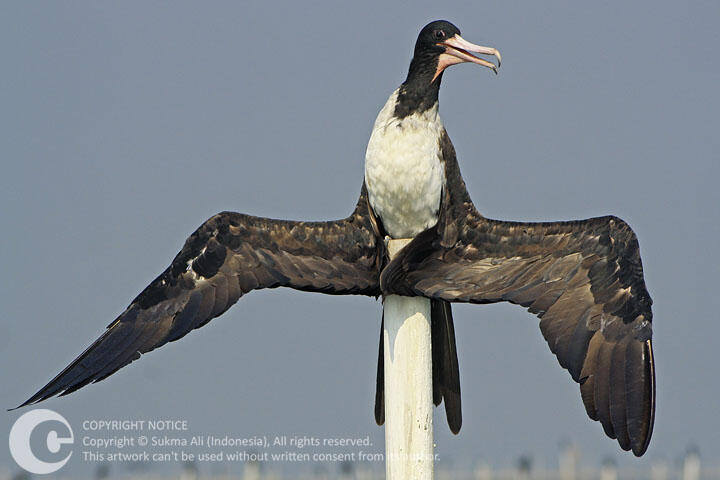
(428, 42)
(438, 46)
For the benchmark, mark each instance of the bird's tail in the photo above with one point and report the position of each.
(445, 371)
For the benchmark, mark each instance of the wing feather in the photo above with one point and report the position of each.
(229, 255)
(584, 279)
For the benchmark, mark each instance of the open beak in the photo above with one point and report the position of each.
(457, 50)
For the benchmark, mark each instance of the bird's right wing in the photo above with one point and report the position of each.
(228, 256)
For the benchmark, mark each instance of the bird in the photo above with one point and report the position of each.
(582, 278)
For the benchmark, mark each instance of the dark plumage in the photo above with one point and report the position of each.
(584, 279)
(227, 257)
(419, 92)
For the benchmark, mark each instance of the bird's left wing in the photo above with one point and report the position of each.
(228, 256)
(583, 278)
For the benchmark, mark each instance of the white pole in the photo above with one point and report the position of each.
(691, 465)
(408, 385)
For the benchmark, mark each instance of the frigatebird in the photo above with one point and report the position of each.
(583, 278)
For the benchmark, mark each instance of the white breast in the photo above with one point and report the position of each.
(403, 171)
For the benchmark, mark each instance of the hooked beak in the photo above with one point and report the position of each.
(457, 50)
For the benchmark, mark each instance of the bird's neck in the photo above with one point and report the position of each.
(419, 92)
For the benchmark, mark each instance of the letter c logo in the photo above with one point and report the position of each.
(20, 447)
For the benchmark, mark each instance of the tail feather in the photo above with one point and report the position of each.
(380, 385)
(444, 352)
(446, 373)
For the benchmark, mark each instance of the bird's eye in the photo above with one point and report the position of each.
(439, 34)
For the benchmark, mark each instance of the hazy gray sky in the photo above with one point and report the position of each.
(125, 126)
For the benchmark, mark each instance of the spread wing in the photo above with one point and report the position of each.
(584, 279)
(228, 256)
